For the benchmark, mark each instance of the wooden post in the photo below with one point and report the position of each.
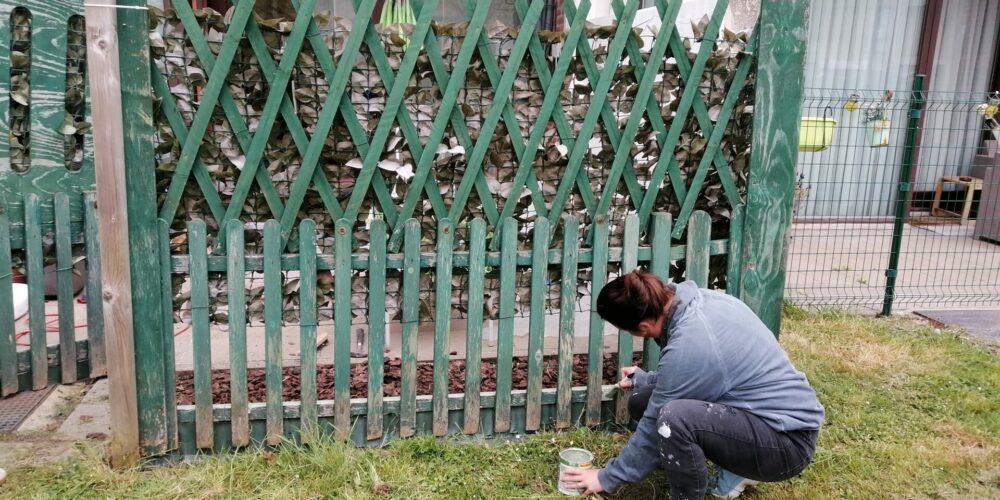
(780, 66)
(109, 160)
(152, 377)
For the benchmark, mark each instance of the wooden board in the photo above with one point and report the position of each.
(113, 218)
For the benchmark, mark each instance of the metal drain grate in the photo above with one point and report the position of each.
(15, 409)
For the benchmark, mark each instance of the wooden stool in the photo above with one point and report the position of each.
(971, 184)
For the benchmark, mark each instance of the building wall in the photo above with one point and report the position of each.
(873, 45)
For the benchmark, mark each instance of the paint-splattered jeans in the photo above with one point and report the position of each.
(738, 441)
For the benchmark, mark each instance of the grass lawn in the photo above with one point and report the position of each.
(911, 413)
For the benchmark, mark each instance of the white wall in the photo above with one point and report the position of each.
(691, 12)
(873, 45)
(448, 11)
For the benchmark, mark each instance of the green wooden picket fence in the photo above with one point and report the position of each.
(71, 359)
(374, 418)
(248, 154)
(47, 213)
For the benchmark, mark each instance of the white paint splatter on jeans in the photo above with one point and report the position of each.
(665, 431)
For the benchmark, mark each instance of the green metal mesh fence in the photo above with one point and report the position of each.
(848, 185)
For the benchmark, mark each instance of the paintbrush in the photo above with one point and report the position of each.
(608, 390)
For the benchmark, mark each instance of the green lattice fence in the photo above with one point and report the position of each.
(477, 141)
(313, 177)
(486, 161)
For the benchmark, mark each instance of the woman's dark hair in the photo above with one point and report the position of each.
(631, 298)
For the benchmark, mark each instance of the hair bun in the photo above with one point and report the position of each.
(629, 279)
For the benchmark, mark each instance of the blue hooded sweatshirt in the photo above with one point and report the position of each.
(715, 349)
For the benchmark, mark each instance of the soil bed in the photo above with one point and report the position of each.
(256, 385)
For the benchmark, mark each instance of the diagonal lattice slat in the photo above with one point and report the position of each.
(688, 74)
(436, 62)
(212, 91)
(600, 95)
(402, 116)
(632, 126)
(393, 103)
(444, 114)
(326, 117)
(553, 84)
(714, 141)
(473, 171)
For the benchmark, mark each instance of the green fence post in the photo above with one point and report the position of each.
(903, 191)
(783, 29)
(141, 192)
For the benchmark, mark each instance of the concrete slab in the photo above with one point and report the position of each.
(52, 320)
(57, 406)
(843, 265)
(981, 324)
(91, 419)
(34, 449)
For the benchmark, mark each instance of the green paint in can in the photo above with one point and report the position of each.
(573, 458)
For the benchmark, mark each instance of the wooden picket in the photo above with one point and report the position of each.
(376, 326)
(442, 325)
(238, 336)
(36, 291)
(595, 345)
(411, 326)
(8, 343)
(94, 290)
(307, 324)
(539, 290)
(505, 342)
(273, 379)
(200, 332)
(474, 325)
(567, 316)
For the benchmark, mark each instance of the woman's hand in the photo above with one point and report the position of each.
(627, 373)
(584, 480)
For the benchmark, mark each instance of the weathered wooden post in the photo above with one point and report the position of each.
(109, 157)
(126, 206)
(780, 66)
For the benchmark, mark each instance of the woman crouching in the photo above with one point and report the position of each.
(724, 390)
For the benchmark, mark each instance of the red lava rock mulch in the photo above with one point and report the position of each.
(256, 385)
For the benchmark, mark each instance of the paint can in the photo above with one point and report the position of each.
(573, 458)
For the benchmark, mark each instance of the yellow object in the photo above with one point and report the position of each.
(852, 103)
(816, 134)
